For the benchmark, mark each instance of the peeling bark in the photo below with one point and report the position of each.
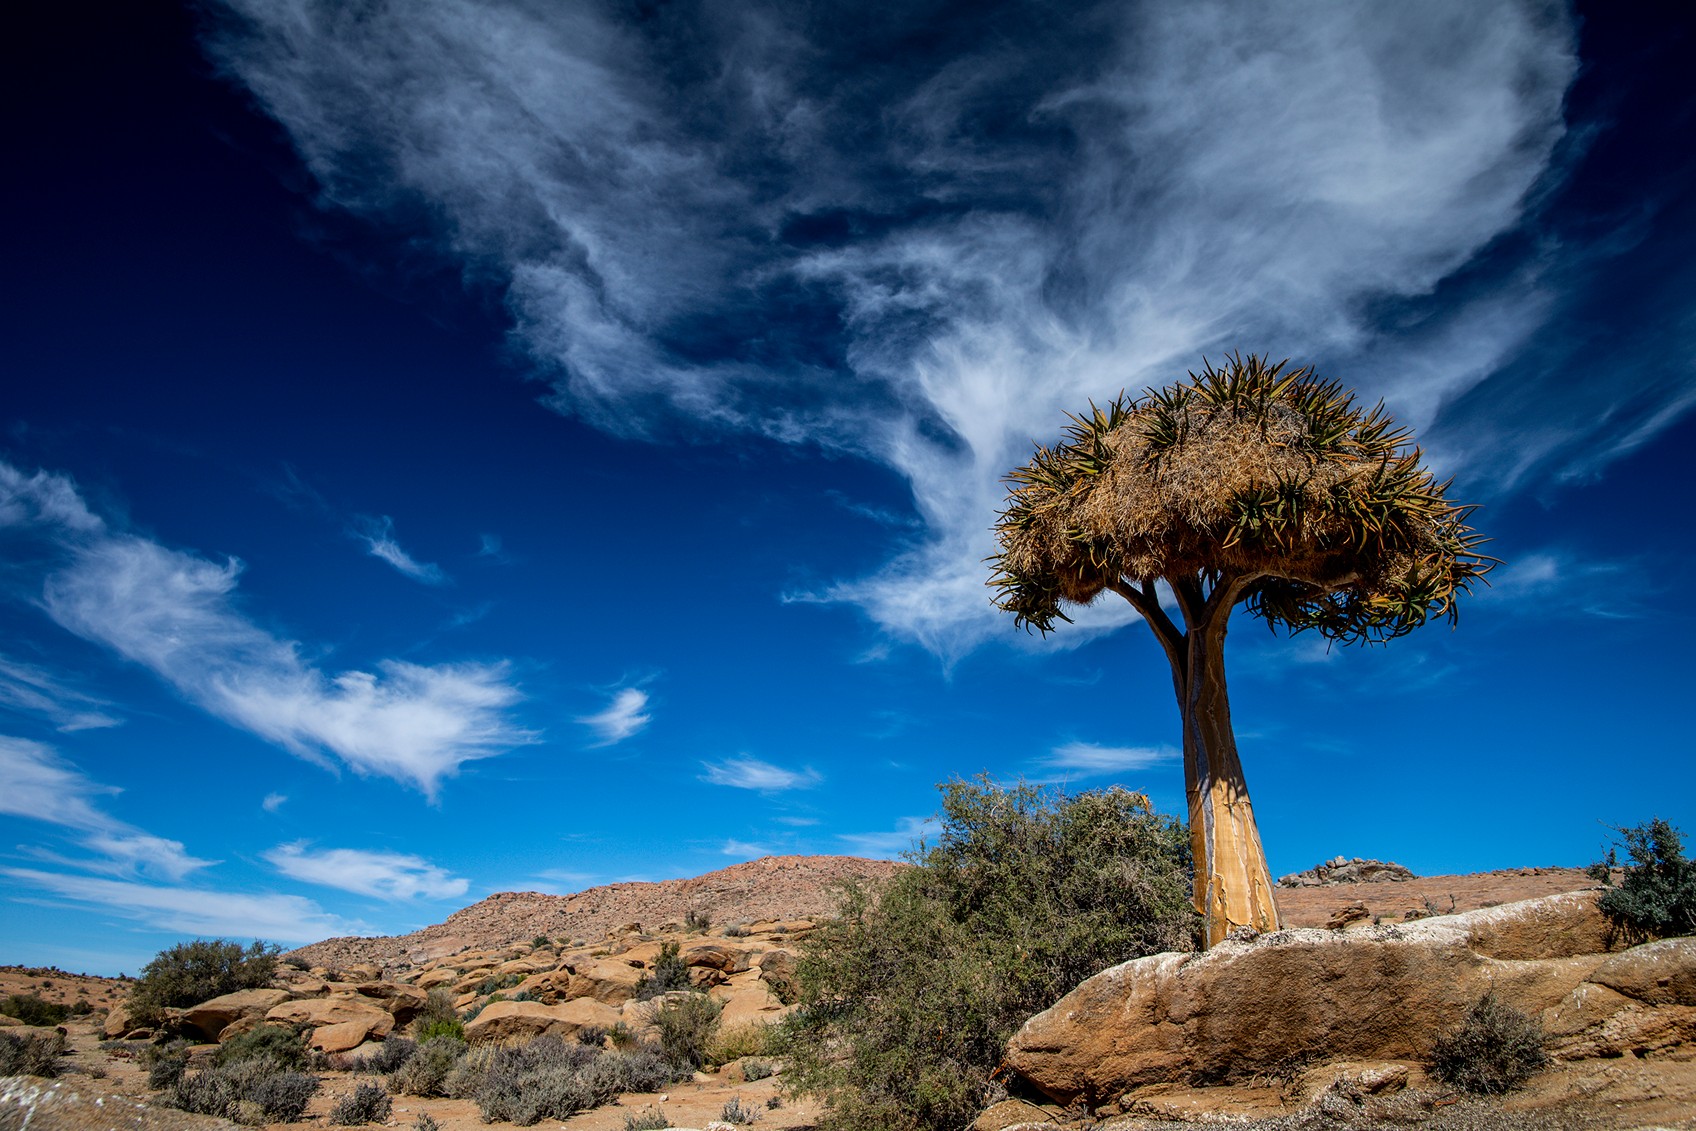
(1233, 885)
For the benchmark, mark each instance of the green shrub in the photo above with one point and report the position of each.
(909, 997)
(432, 1028)
(32, 1009)
(426, 1122)
(756, 1068)
(687, 1024)
(1494, 1050)
(366, 1104)
(1657, 897)
(30, 1054)
(696, 921)
(279, 1044)
(426, 1073)
(192, 972)
(670, 973)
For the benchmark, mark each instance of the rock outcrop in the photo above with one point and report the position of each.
(1373, 994)
(1340, 870)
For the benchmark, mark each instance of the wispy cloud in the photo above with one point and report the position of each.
(378, 534)
(1047, 213)
(625, 717)
(385, 875)
(37, 784)
(273, 802)
(751, 773)
(175, 613)
(195, 911)
(744, 850)
(1089, 759)
(24, 687)
(904, 837)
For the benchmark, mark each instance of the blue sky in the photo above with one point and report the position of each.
(470, 447)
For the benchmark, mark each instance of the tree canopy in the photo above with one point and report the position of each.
(1316, 508)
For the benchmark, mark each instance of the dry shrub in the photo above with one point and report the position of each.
(1494, 1050)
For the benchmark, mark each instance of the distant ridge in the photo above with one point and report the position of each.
(772, 888)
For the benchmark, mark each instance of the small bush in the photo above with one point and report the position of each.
(593, 1035)
(249, 1091)
(1657, 898)
(736, 931)
(540, 942)
(735, 1111)
(426, 1073)
(30, 1054)
(621, 1036)
(757, 1069)
(468, 1073)
(394, 1054)
(32, 1009)
(426, 1122)
(165, 1064)
(773, 1102)
(283, 1096)
(648, 1119)
(192, 972)
(494, 983)
(367, 1104)
(670, 973)
(687, 1024)
(697, 921)
(737, 1042)
(277, 1043)
(642, 1069)
(1494, 1050)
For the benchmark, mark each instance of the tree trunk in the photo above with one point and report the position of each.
(1233, 887)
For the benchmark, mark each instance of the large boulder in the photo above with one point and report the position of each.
(1371, 994)
(402, 1001)
(211, 1018)
(320, 1012)
(504, 1021)
(119, 1021)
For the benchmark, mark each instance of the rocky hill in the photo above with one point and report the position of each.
(770, 889)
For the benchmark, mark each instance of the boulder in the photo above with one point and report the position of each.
(210, 1018)
(1660, 973)
(316, 1013)
(1376, 993)
(777, 969)
(119, 1022)
(403, 1001)
(610, 981)
(718, 956)
(522, 1020)
(342, 1036)
(1008, 1113)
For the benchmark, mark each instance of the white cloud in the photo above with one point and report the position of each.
(1090, 759)
(175, 614)
(903, 838)
(24, 687)
(273, 802)
(1346, 157)
(196, 911)
(36, 784)
(744, 850)
(378, 534)
(385, 875)
(751, 773)
(624, 717)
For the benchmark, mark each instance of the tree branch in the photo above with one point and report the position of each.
(1187, 589)
(1147, 602)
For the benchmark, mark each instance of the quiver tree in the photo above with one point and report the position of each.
(1244, 485)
